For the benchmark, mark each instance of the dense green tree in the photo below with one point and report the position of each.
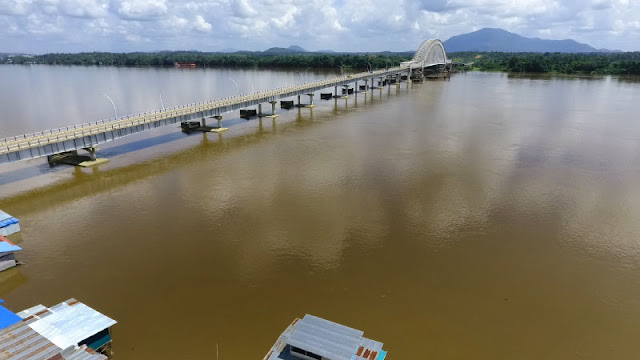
(589, 63)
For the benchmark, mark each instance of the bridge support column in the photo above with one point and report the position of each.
(259, 109)
(86, 161)
(218, 129)
(203, 122)
(273, 110)
(92, 153)
(335, 91)
(299, 104)
(311, 105)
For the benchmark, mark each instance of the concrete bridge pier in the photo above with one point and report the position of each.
(260, 110)
(299, 104)
(273, 110)
(219, 118)
(218, 129)
(311, 105)
(93, 160)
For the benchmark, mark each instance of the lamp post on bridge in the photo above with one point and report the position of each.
(302, 77)
(112, 103)
(237, 87)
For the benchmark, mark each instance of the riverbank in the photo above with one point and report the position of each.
(221, 60)
(627, 63)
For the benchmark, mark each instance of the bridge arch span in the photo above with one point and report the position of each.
(431, 52)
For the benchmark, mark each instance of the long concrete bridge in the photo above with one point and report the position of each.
(431, 54)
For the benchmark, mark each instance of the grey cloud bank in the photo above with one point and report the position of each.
(41, 26)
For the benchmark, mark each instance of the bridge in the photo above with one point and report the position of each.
(70, 139)
(430, 57)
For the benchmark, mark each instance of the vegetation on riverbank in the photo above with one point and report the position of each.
(260, 60)
(562, 63)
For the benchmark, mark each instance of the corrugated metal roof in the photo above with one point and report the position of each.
(7, 246)
(22, 341)
(70, 324)
(32, 311)
(81, 353)
(325, 338)
(4, 215)
(19, 341)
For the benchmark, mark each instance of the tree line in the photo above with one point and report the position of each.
(627, 63)
(260, 60)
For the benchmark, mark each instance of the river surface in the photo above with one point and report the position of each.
(485, 217)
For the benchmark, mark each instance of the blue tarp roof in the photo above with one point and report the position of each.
(7, 318)
(8, 246)
(8, 221)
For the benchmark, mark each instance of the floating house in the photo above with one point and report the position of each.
(314, 338)
(8, 224)
(7, 248)
(69, 330)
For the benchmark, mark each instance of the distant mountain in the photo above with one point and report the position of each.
(489, 39)
(291, 49)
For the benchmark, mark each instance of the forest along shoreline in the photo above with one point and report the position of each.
(617, 63)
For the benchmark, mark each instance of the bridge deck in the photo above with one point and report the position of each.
(86, 135)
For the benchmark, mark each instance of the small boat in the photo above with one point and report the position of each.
(314, 338)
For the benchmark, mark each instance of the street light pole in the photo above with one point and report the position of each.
(112, 103)
(161, 102)
(238, 87)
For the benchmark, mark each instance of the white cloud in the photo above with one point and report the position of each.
(142, 9)
(84, 8)
(356, 25)
(44, 25)
(242, 9)
(15, 7)
(200, 24)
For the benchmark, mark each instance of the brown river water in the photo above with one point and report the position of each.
(485, 217)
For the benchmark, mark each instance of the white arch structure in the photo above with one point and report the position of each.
(431, 52)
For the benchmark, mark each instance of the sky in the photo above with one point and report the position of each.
(46, 26)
